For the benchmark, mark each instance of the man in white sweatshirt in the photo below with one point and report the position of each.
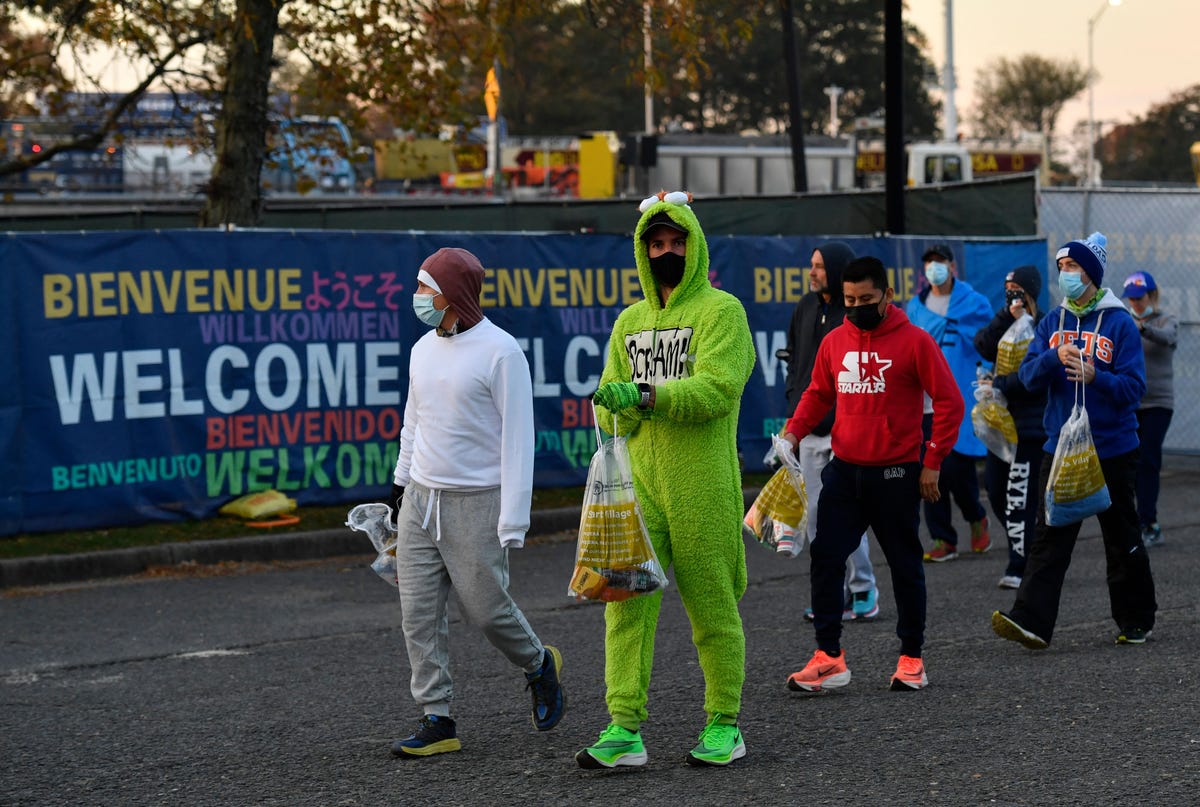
(462, 488)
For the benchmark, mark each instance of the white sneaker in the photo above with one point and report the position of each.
(1010, 581)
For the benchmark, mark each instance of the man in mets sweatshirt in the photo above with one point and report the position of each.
(877, 367)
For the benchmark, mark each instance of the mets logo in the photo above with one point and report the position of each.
(1097, 346)
(863, 373)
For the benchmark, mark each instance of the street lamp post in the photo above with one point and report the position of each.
(834, 92)
(1091, 81)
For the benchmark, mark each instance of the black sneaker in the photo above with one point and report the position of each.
(549, 700)
(1133, 636)
(434, 735)
(1007, 628)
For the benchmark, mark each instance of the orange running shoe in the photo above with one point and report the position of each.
(941, 552)
(822, 672)
(910, 674)
(980, 541)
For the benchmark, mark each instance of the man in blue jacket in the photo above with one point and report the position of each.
(952, 312)
(1091, 339)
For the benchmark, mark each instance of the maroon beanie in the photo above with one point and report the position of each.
(459, 275)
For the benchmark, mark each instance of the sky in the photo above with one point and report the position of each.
(1143, 50)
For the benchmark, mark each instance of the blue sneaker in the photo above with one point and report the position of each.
(549, 700)
(434, 735)
(865, 604)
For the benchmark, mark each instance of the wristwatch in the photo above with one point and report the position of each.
(646, 391)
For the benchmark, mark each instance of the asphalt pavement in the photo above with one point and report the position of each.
(282, 682)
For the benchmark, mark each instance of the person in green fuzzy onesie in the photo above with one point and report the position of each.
(678, 362)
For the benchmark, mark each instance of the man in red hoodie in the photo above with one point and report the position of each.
(876, 367)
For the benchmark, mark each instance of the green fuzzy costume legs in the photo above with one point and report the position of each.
(711, 578)
(698, 353)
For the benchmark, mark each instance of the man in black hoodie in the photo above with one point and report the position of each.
(819, 312)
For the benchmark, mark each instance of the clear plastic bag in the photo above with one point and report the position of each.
(375, 519)
(1075, 488)
(778, 518)
(993, 423)
(614, 559)
(1013, 346)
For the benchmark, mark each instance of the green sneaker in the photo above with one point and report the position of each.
(720, 744)
(616, 746)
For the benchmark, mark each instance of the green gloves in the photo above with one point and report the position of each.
(617, 395)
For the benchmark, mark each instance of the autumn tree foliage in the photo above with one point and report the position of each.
(419, 65)
(1155, 146)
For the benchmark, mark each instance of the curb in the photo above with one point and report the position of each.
(50, 569)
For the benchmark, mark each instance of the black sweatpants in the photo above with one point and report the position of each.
(1130, 583)
(886, 499)
(1015, 490)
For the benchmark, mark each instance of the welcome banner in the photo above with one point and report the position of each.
(157, 375)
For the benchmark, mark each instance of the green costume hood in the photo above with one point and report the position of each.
(695, 269)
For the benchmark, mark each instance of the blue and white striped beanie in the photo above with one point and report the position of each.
(1089, 253)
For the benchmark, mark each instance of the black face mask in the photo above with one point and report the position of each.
(866, 317)
(667, 269)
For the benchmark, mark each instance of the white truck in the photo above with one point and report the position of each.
(755, 166)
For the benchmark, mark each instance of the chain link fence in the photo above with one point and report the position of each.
(1151, 230)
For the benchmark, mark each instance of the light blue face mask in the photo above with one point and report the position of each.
(1072, 285)
(937, 273)
(1147, 311)
(423, 308)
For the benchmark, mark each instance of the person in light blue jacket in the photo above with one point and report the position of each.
(952, 312)
(1093, 342)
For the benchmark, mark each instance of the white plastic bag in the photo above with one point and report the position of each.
(993, 423)
(778, 518)
(1076, 487)
(1013, 346)
(375, 519)
(614, 559)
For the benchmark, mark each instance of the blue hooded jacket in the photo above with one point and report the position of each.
(1111, 341)
(955, 335)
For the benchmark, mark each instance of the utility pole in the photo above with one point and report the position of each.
(894, 157)
(948, 84)
(647, 64)
(795, 110)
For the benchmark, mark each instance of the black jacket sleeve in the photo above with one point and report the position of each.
(987, 339)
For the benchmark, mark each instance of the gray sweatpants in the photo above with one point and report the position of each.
(448, 538)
